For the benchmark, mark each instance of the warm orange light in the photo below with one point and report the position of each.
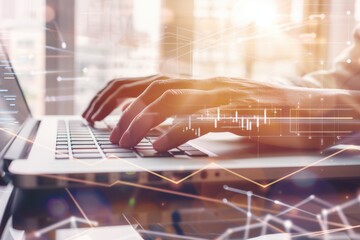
(260, 12)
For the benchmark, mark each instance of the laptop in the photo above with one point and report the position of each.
(64, 151)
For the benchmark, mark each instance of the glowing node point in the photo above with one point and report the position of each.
(287, 224)
(348, 60)
(63, 45)
(248, 214)
(348, 12)
(277, 202)
(324, 212)
(318, 216)
(229, 231)
(249, 193)
(348, 43)
(59, 79)
(225, 200)
(226, 187)
(37, 234)
(312, 196)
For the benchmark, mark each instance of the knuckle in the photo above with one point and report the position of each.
(112, 82)
(172, 93)
(155, 85)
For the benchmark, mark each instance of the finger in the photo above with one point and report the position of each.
(110, 87)
(126, 104)
(172, 102)
(115, 94)
(153, 92)
(84, 114)
(180, 134)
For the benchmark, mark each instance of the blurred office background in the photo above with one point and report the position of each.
(65, 50)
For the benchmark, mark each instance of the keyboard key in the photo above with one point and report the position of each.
(102, 135)
(82, 143)
(144, 144)
(196, 153)
(105, 142)
(118, 150)
(61, 147)
(84, 146)
(81, 139)
(85, 151)
(80, 135)
(150, 147)
(176, 151)
(109, 146)
(153, 153)
(102, 139)
(121, 155)
(61, 139)
(61, 156)
(86, 155)
(62, 151)
(187, 147)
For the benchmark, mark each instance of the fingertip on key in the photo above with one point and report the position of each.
(125, 140)
(115, 135)
(160, 144)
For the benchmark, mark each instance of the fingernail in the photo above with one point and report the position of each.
(115, 135)
(125, 140)
(95, 117)
(160, 144)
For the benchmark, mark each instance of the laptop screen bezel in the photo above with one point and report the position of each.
(7, 58)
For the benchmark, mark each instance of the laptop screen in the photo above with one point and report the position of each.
(13, 108)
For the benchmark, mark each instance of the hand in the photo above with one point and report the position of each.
(158, 98)
(115, 93)
(183, 97)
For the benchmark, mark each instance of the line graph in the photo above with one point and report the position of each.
(274, 218)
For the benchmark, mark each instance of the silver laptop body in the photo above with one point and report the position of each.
(63, 151)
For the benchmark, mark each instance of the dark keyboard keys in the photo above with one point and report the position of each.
(86, 155)
(118, 150)
(82, 143)
(85, 150)
(110, 146)
(196, 153)
(153, 153)
(121, 155)
(84, 147)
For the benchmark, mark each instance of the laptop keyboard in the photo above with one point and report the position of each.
(76, 140)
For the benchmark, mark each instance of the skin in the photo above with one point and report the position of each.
(160, 97)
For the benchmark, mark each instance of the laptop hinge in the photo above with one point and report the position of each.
(22, 143)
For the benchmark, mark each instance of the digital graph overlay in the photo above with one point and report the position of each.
(299, 121)
(281, 218)
(327, 230)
